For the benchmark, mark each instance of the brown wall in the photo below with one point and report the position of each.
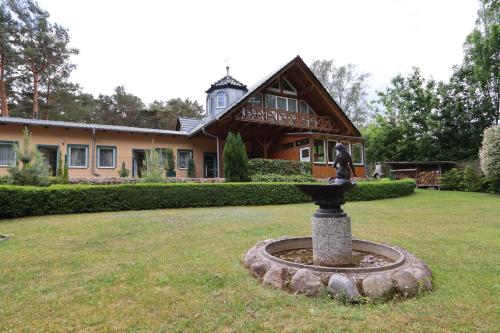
(319, 170)
(123, 141)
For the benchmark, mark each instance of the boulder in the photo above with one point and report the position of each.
(340, 286)
(253, 255)
(406, 284)
(305, 282)
(378, 287)
(274, 277)
(258, 269)
(423, 279)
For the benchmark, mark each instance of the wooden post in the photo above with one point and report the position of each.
(265, 145)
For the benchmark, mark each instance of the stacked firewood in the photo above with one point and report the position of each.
(428, 177)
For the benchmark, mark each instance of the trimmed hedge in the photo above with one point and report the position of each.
(271, 177)
(16, 201)
(264, 166)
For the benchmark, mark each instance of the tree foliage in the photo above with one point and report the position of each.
(490, 152)
(347, 86)
(235, 159)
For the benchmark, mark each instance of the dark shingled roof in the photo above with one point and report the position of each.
(187, 124)
(227, 82)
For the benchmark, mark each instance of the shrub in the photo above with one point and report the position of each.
(30, 168)
(123, 172)
(452, 180)
(468, 180)
(152, 166)
(191, 170)
(270, 177)
(490, 152)
(281, 167)
(169, 152)
(235, 159)
(18, 201)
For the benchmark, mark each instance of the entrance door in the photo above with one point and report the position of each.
(210, 165)
(51, 157)
(137, 159)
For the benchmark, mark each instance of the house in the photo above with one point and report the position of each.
(287, 115)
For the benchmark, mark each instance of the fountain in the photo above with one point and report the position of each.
(349, 268)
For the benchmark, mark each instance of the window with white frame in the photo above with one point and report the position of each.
(106, 157)
(357, 153)
(7, 153)
(183, 157)
(347, 146)
(319, 151)
(305, 154)
(305, 108)
(78, 156)
(281, 103)
(221, 100)
(332, 153)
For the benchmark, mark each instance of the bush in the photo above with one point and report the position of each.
(280, 167)
(235, 159)
(123, 172)
(18, 201)
(191, 169)
(152, 166)
(468, 180)
(169, 152)
(490, 152)
(270, 177)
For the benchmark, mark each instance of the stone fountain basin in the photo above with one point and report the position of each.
(395, 255)
(326, 191)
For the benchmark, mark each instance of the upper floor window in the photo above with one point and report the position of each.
(288, 88)
(305, 108)
(256, 100)
(275, 86)
(221, 101)
(7, 153)
(281, 103)
(208, 105)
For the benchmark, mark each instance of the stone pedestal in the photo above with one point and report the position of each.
(332, 240)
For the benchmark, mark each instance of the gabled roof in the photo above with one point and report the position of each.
(263, 83)
(67, 124)
(227, 82)
(186, 124)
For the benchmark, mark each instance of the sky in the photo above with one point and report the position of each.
(166, 49)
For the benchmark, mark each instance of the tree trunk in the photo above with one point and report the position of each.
(4, 107)
(35, 96)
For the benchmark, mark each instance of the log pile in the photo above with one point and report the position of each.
(428, 177)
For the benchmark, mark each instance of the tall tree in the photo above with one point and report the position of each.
(8, 54)
(44, 46)
(347, 86)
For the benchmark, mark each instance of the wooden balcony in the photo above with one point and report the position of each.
(286, 118)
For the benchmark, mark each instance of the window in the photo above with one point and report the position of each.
(256, 100)
(288, 88)
(305, 108)
(221, 101)
(7, 153)
(281, 103)
(275, 86)
(357, 153)
(106, 157)
(319, 151)
(208, 105)
(304, 155)
(183, 157)
(332, 153)
(271, 101)
(78, 156)
(287, 145)
(347, 146)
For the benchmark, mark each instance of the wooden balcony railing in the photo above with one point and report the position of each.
(286, 118)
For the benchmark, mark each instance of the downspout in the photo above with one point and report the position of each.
(92, 167)
(216, 137)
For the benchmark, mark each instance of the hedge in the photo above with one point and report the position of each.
(280, 167)
(16, 201)
(272, 177)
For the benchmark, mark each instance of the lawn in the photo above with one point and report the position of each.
(178, 270)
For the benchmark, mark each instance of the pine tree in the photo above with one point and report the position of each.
(235, 159)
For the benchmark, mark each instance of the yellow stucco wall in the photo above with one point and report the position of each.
(123, 141)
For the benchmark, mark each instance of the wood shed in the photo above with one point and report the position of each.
(425, 173)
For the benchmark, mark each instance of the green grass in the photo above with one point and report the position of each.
(178, 270)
